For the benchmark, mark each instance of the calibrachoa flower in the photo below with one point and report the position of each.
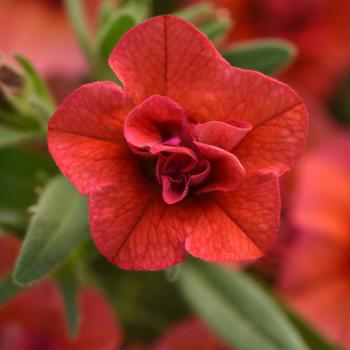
(186, 158)
(35, 318)
(315, 278)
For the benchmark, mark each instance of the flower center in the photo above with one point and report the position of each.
(186, 162)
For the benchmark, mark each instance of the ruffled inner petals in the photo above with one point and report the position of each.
(172, 172)
(158, 120)
(226, 172)
(221, 134)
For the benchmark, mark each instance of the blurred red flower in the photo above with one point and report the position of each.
(315, 278)
(319, 28)
(35, 318)
(189, 334)
(187, 158)
(41, 31)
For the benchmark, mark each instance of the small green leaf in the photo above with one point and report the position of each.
(34, 80)
(141, 9)
(43, 110)
(8, 289)
(109, 35)
(58, 227)
(216, 29)
(10, 137)
(266, 56)
(37, 99)
(68, 286)
(12, 220)
(77, 17)
(238, 309)
(106, 10)
(196, 12)
(172, 274)
(22, 173)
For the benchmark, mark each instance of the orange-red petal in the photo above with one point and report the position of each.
(86, 137)
(168, 56)
(135, 229)
(238, 225)
(148, 123)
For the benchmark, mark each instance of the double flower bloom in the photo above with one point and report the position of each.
(186, 158)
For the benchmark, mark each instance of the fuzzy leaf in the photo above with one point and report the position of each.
(238, 309)
(68, 286)
(10, 137)
(59, 226)
(266, 56)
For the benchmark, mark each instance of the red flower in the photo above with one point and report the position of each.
(186, 158)
(45, 36)
(35, 318)
(189, 334)
(315, 278)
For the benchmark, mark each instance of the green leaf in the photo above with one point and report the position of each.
(12, 220)
(37, 99)
(109, 35)
(196, 12)
(172, 274)
(77, 17)
(238, 309)
(56, 230)
(266, 56)
(215, 29)
(43, 110)
(68, 286)
(10, 137)
(106, 10)
(141, 9)
(8, 289)
(33, 79)
(22, 173)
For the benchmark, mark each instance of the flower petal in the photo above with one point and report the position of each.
(86, 136)
(174, 192)
(311, 261)
(154, 121)
(99, 328)
(322, 193)
(171, 173)
(315, 281)
(220, 134)
(239, 225)
(191, 333)
(135, 229)
(9, 248)
(166, 56)
(226, 172)
(180, 62)
(276, 144)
